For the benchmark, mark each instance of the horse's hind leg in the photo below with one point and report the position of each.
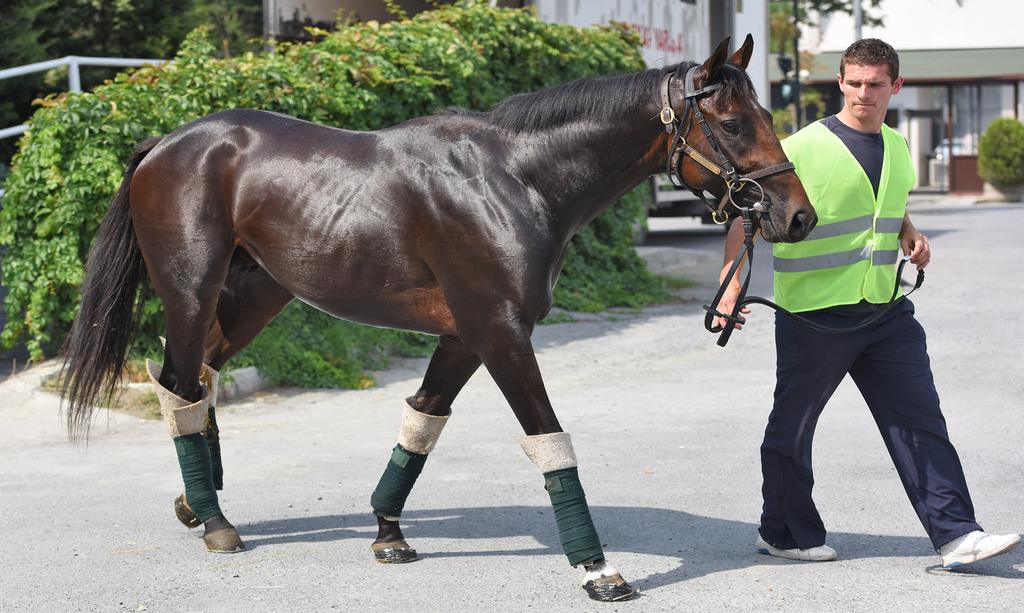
(249, 300)
(187, 252)
(452, 364)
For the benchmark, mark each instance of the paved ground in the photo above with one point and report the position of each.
(666, 426)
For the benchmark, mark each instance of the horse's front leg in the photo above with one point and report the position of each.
(452, 364)
(508, 354)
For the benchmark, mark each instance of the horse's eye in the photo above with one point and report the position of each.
(730, 127)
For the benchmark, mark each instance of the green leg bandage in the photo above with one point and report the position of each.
(194, 460)
(572, 516)
(212, 435)
(399, 476)
(210, 379)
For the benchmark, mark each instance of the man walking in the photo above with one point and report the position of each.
(858, 173)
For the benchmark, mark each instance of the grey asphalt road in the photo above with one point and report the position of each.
(666, 426)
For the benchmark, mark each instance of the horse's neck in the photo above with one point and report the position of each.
(581, 171)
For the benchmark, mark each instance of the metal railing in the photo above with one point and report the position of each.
(73, 62)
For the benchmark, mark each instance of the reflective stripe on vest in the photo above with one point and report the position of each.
(849, 255)
(834, 260)
(883, 225)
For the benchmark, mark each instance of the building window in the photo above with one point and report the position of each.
(996, 102)
(974, 107)
(966, 117)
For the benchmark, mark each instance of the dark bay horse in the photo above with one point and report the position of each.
(454, 225)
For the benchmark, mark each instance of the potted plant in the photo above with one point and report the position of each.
(1001, 159)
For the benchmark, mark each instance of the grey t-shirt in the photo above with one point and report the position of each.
(866, 147)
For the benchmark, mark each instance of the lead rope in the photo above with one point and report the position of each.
(734, 318)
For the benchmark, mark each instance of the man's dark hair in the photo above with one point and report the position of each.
(871, 52)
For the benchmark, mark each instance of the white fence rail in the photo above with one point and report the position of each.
(73, 62)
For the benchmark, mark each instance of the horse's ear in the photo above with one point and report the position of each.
(742, 56)
(709, 70)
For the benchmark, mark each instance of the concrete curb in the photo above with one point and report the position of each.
(676, 262)
(234, 384)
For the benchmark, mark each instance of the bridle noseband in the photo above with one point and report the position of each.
(734, 181)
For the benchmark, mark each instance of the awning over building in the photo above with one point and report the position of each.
(927, 66)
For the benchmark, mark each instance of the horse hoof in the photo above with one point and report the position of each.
(610, 589)
(394, 552)
(184, 513)
(221, 536)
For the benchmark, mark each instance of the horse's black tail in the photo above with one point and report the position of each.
(96, 347)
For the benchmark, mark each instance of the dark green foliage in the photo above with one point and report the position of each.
(306, 348)
(365, 76)
(37, 30)
(602, 268)
(20, 44)
(1001, 153)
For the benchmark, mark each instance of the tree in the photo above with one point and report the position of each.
(782, 28)
(20, 43)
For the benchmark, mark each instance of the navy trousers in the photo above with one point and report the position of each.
(889, 363)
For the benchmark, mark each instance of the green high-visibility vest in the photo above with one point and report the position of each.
(850, 254)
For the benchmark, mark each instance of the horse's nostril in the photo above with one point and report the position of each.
(801, 224)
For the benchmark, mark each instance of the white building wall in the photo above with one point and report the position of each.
(928, 24)
(752, 18)
(671, 31)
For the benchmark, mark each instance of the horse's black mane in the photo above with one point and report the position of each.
(595, 97)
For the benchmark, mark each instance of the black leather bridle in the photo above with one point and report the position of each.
(734, 181)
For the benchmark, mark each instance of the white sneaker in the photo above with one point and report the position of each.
(821, 553)
(975, 546)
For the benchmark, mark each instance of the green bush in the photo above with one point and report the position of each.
(365, 76)
(1001, 153)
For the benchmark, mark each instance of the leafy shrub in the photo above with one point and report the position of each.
(1001, 153)
(365, 76)
(602, 268)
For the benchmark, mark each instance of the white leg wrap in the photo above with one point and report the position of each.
(182, 417)
(549, 451)
(210, 378)
(207, 376)
(600, 570)
(419, 431)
